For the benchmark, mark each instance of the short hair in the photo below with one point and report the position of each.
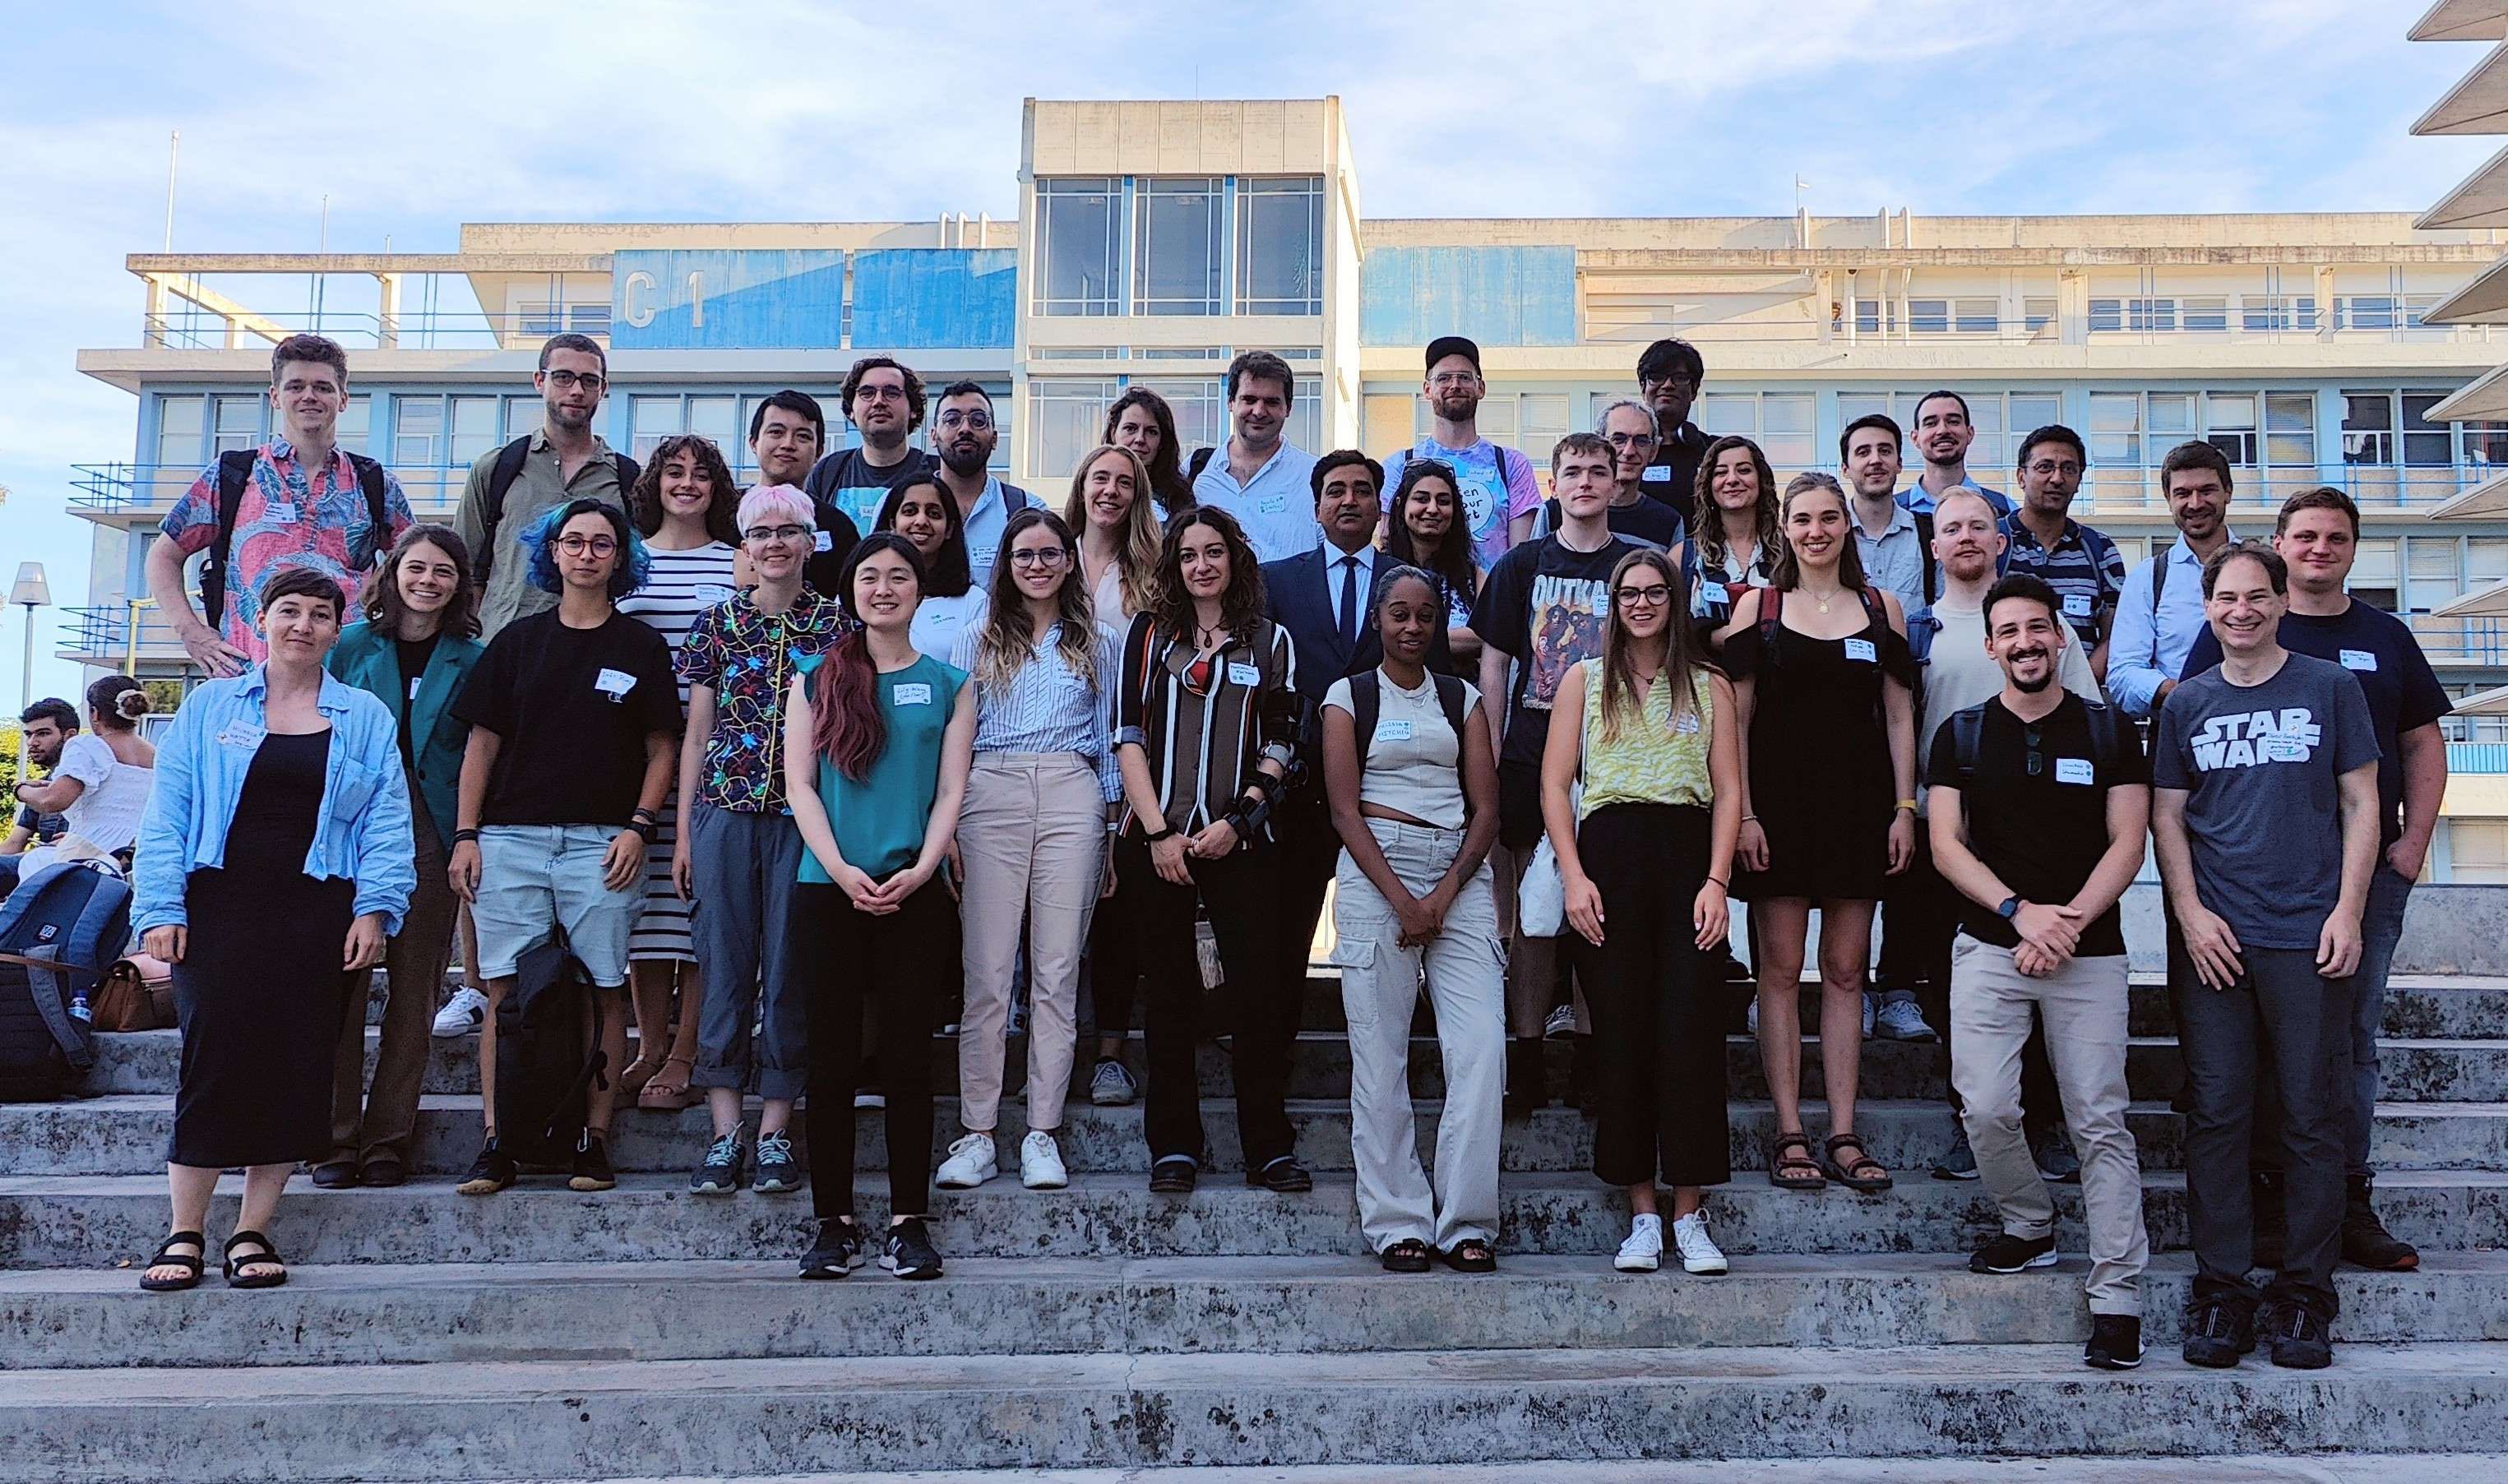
(798, 403)
(2195, 453)
(1581, 443)
(1341, 459)
(297, 580)
(312, 350)
(766, 500)
(1401, 572)
(52, 709)
(383, 605)
(2323, 496)
(2027, 586)
(2276, 570)
(965, 389)
(635, 565)
(1603, 419)
(1880, 419)
(1665, 357)
(1262, 366)
(865, 367)
(2053, 432)
(570, 341)
(1936, 394)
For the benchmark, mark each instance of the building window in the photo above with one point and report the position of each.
(2150, 314)
(2368, 428)
(1076, 236)
(2207, 314)
(1065, 415)
(2426, 444)
(2269, 313)
(2479, 848)
(2374, 578)
(179, 432)
(1201, 409)
(2436, 569)
(1927, 316)
(1978, 316)
(2367, 312)
(1280, 247)
(2485, 445)
(1175, 246)
(475, 429)
(2230, 425)
(2037, 314)
(417, 431)
(1867, 317)
(355, 422)
(2290, 429)
(2106, 315)
(1780, 422)
(2114, 434)
(239, 423)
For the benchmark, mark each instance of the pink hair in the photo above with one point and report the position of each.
(773, 500)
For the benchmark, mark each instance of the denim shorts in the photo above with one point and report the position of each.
(535, 878)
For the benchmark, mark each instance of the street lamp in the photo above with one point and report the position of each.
(30, 592)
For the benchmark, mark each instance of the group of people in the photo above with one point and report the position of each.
(799, 767)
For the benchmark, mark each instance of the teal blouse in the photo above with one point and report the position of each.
(879, 819)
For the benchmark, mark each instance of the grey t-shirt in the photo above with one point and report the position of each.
(2261, 765)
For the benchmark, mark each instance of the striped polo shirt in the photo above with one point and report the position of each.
(2083, 567)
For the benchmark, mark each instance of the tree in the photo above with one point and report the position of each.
(13, 747)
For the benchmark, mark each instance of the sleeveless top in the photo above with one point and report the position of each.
(1656, 760)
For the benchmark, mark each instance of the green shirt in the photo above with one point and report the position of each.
(507, 594)
(879, 819)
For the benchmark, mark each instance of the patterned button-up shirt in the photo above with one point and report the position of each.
(746, 657)
(289, 516)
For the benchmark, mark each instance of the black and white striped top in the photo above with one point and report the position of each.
(1204, 739)
(682, 586)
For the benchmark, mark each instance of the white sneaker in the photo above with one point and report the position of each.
(971, 1163)
(1642, 1252)
(1699, 1252)
(1561, 1024)
(1901, 1021)
(1751, 1015)
(1041, 1162)
(461, 1015)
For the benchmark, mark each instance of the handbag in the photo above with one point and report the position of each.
(137, 994)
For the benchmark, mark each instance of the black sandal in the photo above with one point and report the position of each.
(268, 1256)
(1850, 1172)
(166, 1257)
(1409, 1255)
(1779, 1163)
(1471, 1255)
(1173, 1176)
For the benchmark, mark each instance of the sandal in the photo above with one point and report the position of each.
(168, 1257)
(637, 1073)
(1409, 1255)
(267, 1258)
(666, 1093)
(1793, 1171)
(1850, 1172)
(1471, 1255)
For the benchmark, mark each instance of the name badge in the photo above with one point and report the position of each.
(2072, 770)
(819, 540)
(1243, 674)
(1392, 732)
(1271, 504)
(2077, 605)
(241, 733)
(2285, 750)
(1660, 473)
(2359, 659)
(1685, 725)
(916, 693)
(615, 684)
(1862, 648)
(279, 513)
(414, 681)
(712, 593)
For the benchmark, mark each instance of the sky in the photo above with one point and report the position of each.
(414, 119)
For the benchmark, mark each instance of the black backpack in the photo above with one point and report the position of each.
(510, 467)
(235, 471)
(1968, 728)
(1193, 465)
(57, 930)
(547, 1061)
(1367, 697)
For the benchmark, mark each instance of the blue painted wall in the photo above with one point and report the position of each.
(1498, 296)
(958, 298)
(727, 299)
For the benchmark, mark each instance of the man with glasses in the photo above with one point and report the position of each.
(1259, 476)
(1628, 427)
(1499, 487)
(1669, 376)
(883, 399)
(2082, 565)
(963, 434)
(1943, 434)
(510, 488)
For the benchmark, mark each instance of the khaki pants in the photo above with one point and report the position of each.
(2083, 1004)
(1032, 837)
(415, 960)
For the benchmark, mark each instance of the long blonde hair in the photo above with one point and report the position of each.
(1136, 552)
(1683, 663)
(1008, 639)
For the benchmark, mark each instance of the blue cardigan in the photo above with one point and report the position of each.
(365, 657)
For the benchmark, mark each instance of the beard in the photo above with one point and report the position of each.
(2046, 678)
(965, 459)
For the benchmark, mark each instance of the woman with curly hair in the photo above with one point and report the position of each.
(1733, 544)
(1142, 422)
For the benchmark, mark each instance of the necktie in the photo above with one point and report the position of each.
(1349, 601)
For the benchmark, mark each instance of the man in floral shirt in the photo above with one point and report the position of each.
(739, 853)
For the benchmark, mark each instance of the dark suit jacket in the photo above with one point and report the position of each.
(1301, 595)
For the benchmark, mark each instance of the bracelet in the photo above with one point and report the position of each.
(643, 829)
(1720, 883)
(1907, 805)
(646, 816)
(1750, 819)
(465, 837)
(1162, 833)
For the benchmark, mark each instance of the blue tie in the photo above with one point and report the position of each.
(1349, 601)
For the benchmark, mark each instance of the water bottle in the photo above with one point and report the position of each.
(78, 1006)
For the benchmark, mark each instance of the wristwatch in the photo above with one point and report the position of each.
(2009, 909)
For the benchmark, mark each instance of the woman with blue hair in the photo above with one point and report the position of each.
(575, 724)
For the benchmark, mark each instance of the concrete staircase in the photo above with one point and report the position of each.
(645, 1332)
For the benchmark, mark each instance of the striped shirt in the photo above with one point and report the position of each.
(2083, 567)
(1202, 747)
(1047, 708)
(682, 586)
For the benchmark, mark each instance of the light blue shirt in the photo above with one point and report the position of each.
(1276, 506)
(1894, 560)
(986, 524)
(363, 830)
(1047, 708)
(1339, 574)
(2146, 648)
(1917, 499)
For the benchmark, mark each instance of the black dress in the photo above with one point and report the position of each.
(1821, 780)
(259, 992)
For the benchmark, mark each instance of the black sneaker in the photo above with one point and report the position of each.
(1172, 1175)
(2366, 1241)
(2301, 1341)
(492, 1172)
(2007, 1254)
(909, 1253)
(837, 1251)
(778, 1172)
(2217, 1333)
(720, 1174)
(592, 1170)
(2116, 1342)
(1284, 1175)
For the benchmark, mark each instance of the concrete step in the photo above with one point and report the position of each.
(126, 1134)
(537, 1419)
(704, 1310)
(57, 1221)
(2247, 1468)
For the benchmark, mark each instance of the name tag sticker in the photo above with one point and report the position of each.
(1660, 473)
(712, 593)
(241, 734)
(2077, 605)
(819, 540)
(1392, 732)
(278, 513)
(2285, 750)
(915, 695)
(1271, 504)
(1862, 648)
(1685, 725)
(615, 684)
(414, 682)
(2072, 770)
(1248, 676)
(2359, 659)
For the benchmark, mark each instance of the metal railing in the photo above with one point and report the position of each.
(134, 489)
(2376, 487)
(102, 635)
(2477, 757)
(203, 329)
(2461, 641)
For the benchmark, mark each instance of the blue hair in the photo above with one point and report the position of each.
(635, 565)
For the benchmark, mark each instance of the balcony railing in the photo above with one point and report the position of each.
(101, 636)
(2477, 757)
(364, 330)
(151, 489)
(2376, 487)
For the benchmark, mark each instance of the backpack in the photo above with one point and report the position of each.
(1367, 697)
(510, 467)
(1968, 728)
(57, 931)
(1193, 465)
(546, 1059)
(1772, 608)
(235, 471)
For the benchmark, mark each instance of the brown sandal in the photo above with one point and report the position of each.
(1850, 1172)
(1790, 1171)
(666, 1093)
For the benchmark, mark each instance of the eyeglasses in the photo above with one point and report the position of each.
(1048, 557)
(568, 381)
(2047, 468)
(979, 419)
(776, 532)
(580, 545)
(1645, 597)
(879, 393)
(1669, 384)
(1447, 379)
(1632, 440)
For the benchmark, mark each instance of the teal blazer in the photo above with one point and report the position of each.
(365, 657)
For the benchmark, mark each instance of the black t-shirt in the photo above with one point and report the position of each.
(847, 490)
(1544, 605)
(1672, 477)
(572, 709)
(2042, 836)
(1643, 519)
(413, 654)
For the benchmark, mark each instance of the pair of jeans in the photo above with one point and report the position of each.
(2382, 928)
(744, 866)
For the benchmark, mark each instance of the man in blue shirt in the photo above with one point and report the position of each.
(2160, 608)
(2082, 565)
(1943, 433)
(1258, 476)
(2318, 534)
(963, 434)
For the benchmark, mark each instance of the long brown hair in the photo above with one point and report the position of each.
(1164, 480)
(846, 727)
(1785, 571)
(1240, 605)
(1707, 522)
(383, 605)
(1453, 564)
(1136, 555)
(722, 506)
(1683, 661)
(1008, 639)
